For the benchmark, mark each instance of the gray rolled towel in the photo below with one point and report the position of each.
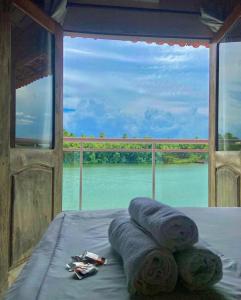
(149, 269)
(199, 268)
(168, 226)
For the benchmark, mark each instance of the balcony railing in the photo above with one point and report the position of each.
(152, 146)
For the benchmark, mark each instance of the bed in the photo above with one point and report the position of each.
(45, 277)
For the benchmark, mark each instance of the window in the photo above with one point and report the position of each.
(33, 83)
(229, 91)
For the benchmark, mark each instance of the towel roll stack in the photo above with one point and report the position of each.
(169, 227)
(156, 245)
(199, 268)
(149, 269)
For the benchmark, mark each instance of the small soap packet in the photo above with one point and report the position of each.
(74, 264)
(91, 258)
(86, 271)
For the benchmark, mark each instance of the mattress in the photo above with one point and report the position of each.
(70, 233)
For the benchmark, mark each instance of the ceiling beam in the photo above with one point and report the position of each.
(133, 8)
(227, 25)
(38, 15)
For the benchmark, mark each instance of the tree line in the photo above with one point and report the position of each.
(115, 157)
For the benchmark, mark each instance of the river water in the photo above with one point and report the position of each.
(113, 186)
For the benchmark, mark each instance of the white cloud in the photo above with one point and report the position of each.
(23, 121)
(99, 55)
(172, 59)
(115, 97)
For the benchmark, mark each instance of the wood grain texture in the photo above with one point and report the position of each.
(5, 96)
(231, 158)
(229, 22)
(13, 273)
(58, 129)
(228, 172)
(39, 16)
(228, 187)
(24, 157)
(31, 209)
(212, 125)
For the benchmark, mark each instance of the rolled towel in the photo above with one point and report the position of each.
(169, 227)
(149, 269)
(199, 268)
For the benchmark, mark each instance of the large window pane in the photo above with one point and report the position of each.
(229, 93)
(33, 79)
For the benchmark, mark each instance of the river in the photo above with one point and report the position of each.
(113, 186)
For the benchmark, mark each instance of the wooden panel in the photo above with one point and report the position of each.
(229, 158)
(228, 187)
(5, 96)
(31, 209)
(22, 158)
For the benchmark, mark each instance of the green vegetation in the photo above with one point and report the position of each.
(228, 142)
(115, 157)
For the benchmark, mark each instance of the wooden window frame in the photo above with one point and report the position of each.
(41, 18)
(213, 99)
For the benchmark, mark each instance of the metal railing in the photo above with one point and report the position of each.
(146, 141)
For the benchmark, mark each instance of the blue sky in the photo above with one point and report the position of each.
(140, 89)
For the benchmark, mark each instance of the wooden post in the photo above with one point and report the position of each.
(58, 149)
(5, 99)
(212, 126)
(81, 176)
(153, 151)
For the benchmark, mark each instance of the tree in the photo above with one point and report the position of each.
(68, 134)
(102, 135)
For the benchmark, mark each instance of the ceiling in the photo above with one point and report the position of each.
(184, 20)
(165, 19)
(183, 5)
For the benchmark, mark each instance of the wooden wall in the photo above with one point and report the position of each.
(5, 97)
(30, 179)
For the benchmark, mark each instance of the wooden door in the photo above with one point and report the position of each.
(31, 47)
(225, 116)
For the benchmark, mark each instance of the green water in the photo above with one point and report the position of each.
(113, 186)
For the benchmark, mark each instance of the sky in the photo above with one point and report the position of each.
(138, 89)
(34, 110)
(120, 87)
